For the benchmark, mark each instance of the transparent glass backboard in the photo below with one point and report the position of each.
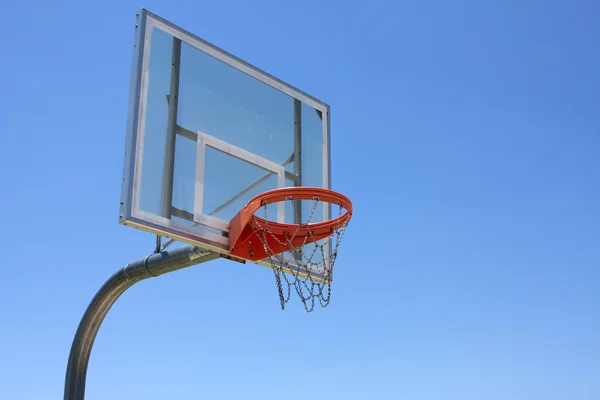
(207, 132)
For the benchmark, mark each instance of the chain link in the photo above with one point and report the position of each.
(296, 264)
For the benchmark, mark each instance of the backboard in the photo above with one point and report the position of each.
(206, 132)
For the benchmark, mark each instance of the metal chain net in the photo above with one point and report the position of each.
(309, 269)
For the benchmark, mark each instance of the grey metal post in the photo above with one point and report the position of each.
(298, 164)
(298, 155)
(148, 267)
(169, 166)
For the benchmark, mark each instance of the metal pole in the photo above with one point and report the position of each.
(298, 155)
(149, 267)
(298, 165)
(169, 166)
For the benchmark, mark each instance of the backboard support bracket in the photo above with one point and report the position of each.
(169, 161)
(298, 155)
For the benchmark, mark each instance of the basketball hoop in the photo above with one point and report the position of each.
(286, 246)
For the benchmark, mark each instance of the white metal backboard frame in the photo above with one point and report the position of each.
(130, 212)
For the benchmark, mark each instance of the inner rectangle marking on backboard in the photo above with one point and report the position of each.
(203, 140)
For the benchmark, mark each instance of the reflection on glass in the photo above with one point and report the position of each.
(224, 102)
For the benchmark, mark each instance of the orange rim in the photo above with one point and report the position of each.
(301, 193)
(245, 225)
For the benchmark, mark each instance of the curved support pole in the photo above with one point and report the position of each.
(148, 267)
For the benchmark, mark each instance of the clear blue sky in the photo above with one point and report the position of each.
(467, 135)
